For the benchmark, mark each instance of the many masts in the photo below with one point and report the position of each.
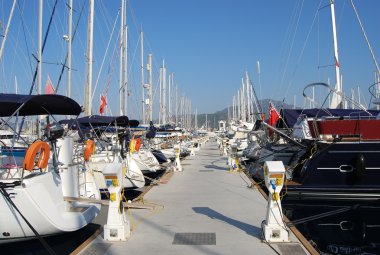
(245, 105)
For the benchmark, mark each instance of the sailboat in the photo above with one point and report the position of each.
(32, 201)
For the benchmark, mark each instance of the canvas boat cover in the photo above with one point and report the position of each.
(289, 116)
(27, 105)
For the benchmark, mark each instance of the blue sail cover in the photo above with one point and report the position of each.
(27, 105)
(289, 116)
(98, 121)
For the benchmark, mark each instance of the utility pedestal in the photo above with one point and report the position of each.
(117, 227)
(232, 155)
(177, 162)
(274, 227)
(192, 150)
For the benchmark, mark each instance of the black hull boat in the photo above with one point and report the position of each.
(337, 171)
(339, 228)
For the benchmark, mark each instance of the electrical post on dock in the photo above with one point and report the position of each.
(117, 227)
(224, 146)
(274, 228)
(232, 157)
(192, 150)
(177, 162)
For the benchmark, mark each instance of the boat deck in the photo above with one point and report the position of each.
(206, 209)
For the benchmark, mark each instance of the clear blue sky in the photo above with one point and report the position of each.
(208, 44)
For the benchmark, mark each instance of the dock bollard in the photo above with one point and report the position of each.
(177, 162)
(192, 150)
(117, 227)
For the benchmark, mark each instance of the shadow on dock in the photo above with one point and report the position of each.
(249, 229)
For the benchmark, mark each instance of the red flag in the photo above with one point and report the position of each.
(49, 88)
(102, 104)
(273, 114)
(262, 117)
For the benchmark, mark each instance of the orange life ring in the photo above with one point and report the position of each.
(89, 150)
(138, 144)
(40, 147)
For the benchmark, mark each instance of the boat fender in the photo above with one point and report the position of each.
(43, 149)
(360, 166)
(138, 144)
(89, 150)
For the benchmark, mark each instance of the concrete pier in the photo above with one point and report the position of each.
(206, 209)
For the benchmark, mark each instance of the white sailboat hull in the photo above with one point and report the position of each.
(42, 203)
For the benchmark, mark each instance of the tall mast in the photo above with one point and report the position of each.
(248, 98)
(238, 105)
(142, 76)
(122, 56)
(170, 98)
(90, 35)
(176, 104)
(39, 53)
(164, 119)
(160, 103)
(336, 101)
(125, 65)
(40, 14)
(69, 44)
(196, 119)
(233, 108)
(150, 88)
(206, 123)
(243, 100)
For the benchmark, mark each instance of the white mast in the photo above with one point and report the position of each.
(164, 120)
(176, 104)
(352, 99)
(238, 105)
(160, 103)
(233, 108)
(170, 98)
(90, 36)
(69, 44)
(196, 119)
(336, 101)
(122, 56)
(248, 98)
(142, 76)
(243, 100)
(150, 88)
(206, 123)
(182, 112)
(6, 29)
(39, 53)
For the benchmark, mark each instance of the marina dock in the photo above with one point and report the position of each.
(205, 209)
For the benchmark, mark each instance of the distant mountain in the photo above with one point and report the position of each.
(214, 118)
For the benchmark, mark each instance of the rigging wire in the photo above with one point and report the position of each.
(303, 49)
(291, 45)
(105, 55)
(43, 46)
(365, 37)
(23, 29)
(72, 39)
